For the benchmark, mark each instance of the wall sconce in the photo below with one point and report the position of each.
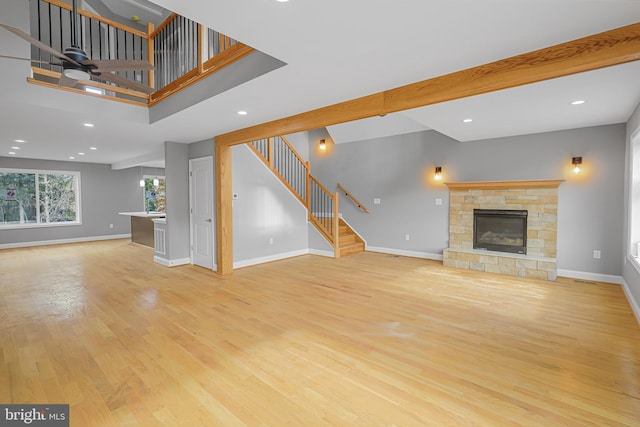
(323, 145)
(438, 173)
(576, 162)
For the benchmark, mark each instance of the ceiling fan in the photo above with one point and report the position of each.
(76, 65)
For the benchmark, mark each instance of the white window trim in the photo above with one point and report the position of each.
(78, 221)
(629, 250)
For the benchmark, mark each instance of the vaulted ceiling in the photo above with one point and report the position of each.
(336, 51)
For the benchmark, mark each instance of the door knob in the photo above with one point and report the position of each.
(208, 220)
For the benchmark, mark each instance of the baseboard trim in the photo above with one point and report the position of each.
(584, 275)
(275, 257)
(171, 262)
(632, 302)
(413, 254)
(319, 252)
(64, 241)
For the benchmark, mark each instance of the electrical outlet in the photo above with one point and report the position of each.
(376, 201)
(110, 225)
(406, 237)
(596, 254)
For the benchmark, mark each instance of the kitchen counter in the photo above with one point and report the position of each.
(142, 226)
(144, 214)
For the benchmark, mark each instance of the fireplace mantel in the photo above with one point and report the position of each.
(476, 185)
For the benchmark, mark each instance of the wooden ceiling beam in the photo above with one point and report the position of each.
(613, 47)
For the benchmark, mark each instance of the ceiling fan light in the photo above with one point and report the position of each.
(76, 74)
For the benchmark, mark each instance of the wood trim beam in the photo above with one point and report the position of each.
(224, 211)
(601, 50)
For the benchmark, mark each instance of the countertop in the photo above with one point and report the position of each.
(144, 214)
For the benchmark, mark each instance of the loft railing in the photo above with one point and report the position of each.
(353, 199)
(185, 52)
(99, 37)
(181, 50)
(285, 162)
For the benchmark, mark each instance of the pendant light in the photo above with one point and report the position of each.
(141, 179)
(156, 181)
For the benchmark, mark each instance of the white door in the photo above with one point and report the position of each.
(201, 201)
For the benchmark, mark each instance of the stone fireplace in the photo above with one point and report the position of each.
(535, 201)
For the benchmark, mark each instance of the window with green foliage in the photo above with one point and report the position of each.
(38, 198)
(154, 196)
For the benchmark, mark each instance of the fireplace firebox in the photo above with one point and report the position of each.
(501, 230)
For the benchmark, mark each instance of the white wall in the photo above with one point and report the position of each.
(264, 212)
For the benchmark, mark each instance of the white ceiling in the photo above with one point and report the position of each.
(337, 50)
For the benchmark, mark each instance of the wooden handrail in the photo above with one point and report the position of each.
(164, 24)
(322, 187)
(329, 225)
(353, 199)
(109, 22)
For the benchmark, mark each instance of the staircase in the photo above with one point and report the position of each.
(322, 206)
(348, 241)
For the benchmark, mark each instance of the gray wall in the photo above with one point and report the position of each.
(177, 193)
(104, 193)
(202, 149)
(398, 170)
(630, 274)
(264, 209)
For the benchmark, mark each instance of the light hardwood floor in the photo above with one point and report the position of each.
(365, 340)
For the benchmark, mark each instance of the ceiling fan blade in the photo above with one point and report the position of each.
(30, 60)
(121, 81)
(67, 81)
(118, 65)
(38, 44)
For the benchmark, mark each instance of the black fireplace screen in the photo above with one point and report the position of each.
(500, 230)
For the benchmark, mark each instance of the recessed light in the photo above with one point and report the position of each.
(578, 102)
(242, 113)
(94, 90)
(71, 157)
(89, 125)
(15, 148)
(12, 153)
(467, 120)
(282, 1)
(81, 154)
(92, 148)
(19, 141)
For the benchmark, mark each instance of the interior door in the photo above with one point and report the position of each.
(201, 201)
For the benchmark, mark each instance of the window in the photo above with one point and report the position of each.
(39, 198)
(634, 196)
(154, 196)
